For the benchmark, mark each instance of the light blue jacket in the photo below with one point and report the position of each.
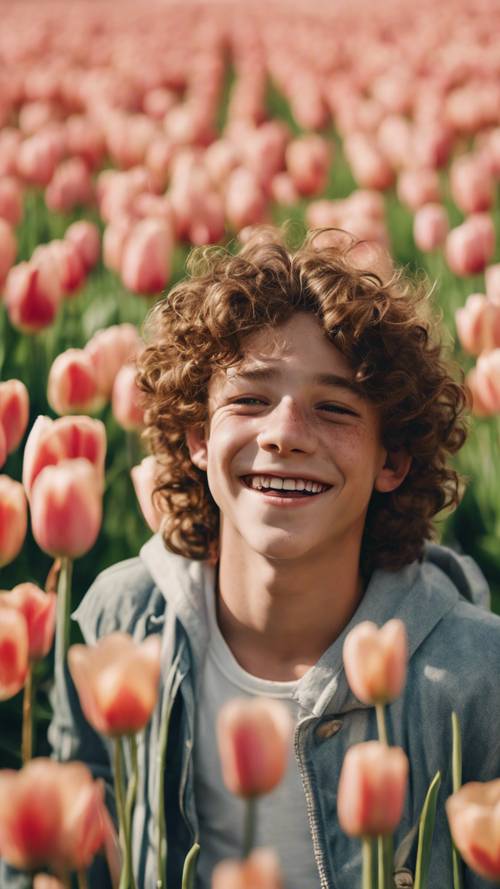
(454, 665)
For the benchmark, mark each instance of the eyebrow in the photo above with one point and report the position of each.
(265, 374)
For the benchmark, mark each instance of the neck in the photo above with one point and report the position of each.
(278, 617)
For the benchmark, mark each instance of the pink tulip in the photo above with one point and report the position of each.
(46, 881)
(14, 412)
(85, 237)
(109, 350)
(33, 293)
(261, 870)
(117, 682)
(67, 438)
(113, 242)
(157, 102)
(70, 266)
(14, 654)
(158, 158)
(492, 279)
(11, 200)
(85, 139)
(308, 161)
(472, 186)
(375, 661)
(254, 738)
(478, 324)
(72, 384)
(146, 258)
(10, 139)
(127, 399)
(369, 166)
(283, 191)
(66, 508)
(418, 187)
(220, 159)
(394, 140)
(474, 818)
(13, 519)
(484, 384)
(430, 227)
(470, 246)
(264, 150)
(70, 186)
(245, 201)
(38, 157)
(144, 481)
(3, 446)
(372, 788)
(8, 249)
(51, 814)
(39, 611)
(34, 116)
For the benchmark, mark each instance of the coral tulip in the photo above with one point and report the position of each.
(33, 293)
(14, 412)
(70, 265)
(13, 518)
(372, 788)
(117, 682)
(66, 438)
(14, 654)
(51, 814)
(254, 738)
(375, 661)
(66, 508)
(109, 350)
(8, 249)
(474, 818)
(430, 227)
(146, 257)
(478, 324)
(39, 611)
(85, 237)
(127, 399)
(308, 161)
(261, 870)
(469, 247)
(144, 479)
(72, 384)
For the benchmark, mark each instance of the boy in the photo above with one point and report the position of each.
(302, 417)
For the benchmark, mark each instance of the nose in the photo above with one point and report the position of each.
(286, 430)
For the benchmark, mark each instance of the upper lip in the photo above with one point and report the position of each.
(295, 475)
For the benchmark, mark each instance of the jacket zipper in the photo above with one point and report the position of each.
(310, 804)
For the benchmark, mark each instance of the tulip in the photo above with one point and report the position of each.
(474, 818)
(46, 881)
(375, 661)
(372, 788)
(85, 237)
(430, 227)
(484, 384)
(70, 265)
(39, 610)
(418, 187)
(10, 139)
(127, 399)
(14, 412)
(283, 191)
(11, 200)
(146, 258)
(85, 139)
(478, 324)
(492, 279)
(472, 186)
(144, 481)
(369, 166)
(14, 662)
(33, 293)
(113, 242)
(117, 682)
(70, 186)
(308, 161)
(3, 446)
(8, 249)
(66, 508)
(261, 870)
(253, 737)
(13, 519)
(470, 246)
(72, 384)
(67, 438)
(245, 201)
(38, 157)
(51, 814)
(109, 350)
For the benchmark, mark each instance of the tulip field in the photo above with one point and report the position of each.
(129, 135)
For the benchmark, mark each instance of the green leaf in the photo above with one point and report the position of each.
(425, 833)
(456, 770)
(189, 869)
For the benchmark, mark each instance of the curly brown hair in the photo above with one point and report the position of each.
(384, 330)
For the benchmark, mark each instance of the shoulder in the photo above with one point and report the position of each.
(123, 597)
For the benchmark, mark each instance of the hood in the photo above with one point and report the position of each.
(420, 594)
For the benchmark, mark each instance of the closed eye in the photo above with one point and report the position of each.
(247, 399)
(338, 409)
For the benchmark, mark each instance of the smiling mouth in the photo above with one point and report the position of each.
(291, 489)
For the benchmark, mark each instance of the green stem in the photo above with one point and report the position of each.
(367, 863)
(381, 724)
(131, 794)
(82, 880)
(63, 614)
(170, 692)
(456, 761)
(381, 863)
(249, 826)
(27, 733)
(122, 816)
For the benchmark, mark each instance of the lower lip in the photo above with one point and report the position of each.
(285, 502)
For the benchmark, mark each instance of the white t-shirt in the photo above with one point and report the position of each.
(281, 815)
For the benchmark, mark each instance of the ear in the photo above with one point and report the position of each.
(393, 472)
(197, 446)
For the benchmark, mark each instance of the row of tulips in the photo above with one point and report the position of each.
(118, 681)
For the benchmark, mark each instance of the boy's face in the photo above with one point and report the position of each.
(291, 414)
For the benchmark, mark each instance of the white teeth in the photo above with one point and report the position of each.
(276, 483)
(289, 484)
(309, 486)
(258, 482)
